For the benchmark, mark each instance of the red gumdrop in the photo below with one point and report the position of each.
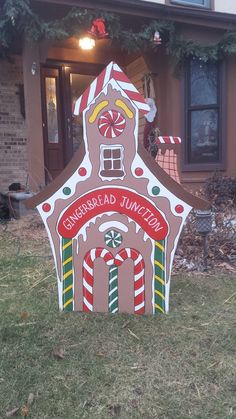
(179, 209)
(82, 171)
(46, 207)
(139, 171)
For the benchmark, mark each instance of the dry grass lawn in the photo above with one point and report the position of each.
(56, 365)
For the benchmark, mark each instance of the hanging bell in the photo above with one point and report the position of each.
(98, 29)
(92, 31)
(157, 38)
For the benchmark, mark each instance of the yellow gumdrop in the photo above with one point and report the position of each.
(125, 108)
(98, 109)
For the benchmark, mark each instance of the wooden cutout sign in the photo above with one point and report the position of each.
(113, 216)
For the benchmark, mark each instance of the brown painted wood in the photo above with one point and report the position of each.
(165, 179)
(33, 53)
(169, 183)
(59, 181)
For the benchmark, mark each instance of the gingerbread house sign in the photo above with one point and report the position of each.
(113, 216)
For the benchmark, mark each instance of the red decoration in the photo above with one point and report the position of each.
(82, 171)
(98, 29)
(120, 200)
(157, 38)
(139, 171)
(46, 207)
(179, 209)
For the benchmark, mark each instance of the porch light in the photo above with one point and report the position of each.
(87, 43)
(96, 32)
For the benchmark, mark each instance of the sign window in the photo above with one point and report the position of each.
(111, 161)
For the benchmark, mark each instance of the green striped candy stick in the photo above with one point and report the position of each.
(159, 278)
(113, 289)
(67, 268)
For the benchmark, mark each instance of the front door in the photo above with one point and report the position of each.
(62, 131)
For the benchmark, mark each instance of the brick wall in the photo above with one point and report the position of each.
(13, 142)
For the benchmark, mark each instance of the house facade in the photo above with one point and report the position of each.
(39, 85)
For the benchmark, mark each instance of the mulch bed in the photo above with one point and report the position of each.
(221, 244)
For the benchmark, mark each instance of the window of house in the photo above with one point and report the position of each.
(203, 113)
(51, 102)
(111, 161)
(198, 3)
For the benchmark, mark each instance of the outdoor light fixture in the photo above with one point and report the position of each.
(204, 227)
(87, 43)
(96, 32)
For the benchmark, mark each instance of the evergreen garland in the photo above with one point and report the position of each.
(17, 18)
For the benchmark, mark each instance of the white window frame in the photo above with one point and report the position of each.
(111, 147)
(190, 3)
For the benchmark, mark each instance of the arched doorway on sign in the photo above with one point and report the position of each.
(113, 262)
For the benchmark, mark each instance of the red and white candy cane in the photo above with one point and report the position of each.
(139, 276)
(112, 71)
(168, 140)
(88, 274)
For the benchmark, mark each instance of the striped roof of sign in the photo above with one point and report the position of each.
(112, 71)
(168, 140)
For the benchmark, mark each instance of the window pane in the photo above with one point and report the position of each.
(203, 83)
(51, 103)
(205, 3)
(204, 145)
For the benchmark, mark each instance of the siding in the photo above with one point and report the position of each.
(135, 72)
(222, 6)
(225, 6)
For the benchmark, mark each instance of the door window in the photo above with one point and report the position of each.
(51, 109)
(52, 123)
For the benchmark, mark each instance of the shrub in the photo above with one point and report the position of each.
(221, 190)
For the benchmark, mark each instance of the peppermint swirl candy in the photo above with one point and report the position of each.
(111, 124)
(113, 238)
